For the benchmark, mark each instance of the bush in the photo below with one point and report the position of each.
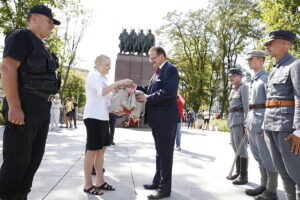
(221, 124)
(1, 119)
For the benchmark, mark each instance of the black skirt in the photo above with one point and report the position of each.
(97, 134)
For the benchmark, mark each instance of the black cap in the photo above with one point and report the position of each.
(281, 34)
(43, 10)
(233, 71)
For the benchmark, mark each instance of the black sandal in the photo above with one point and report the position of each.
(106, 186)
(93, 190)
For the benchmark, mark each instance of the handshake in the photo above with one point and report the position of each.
(140, 96)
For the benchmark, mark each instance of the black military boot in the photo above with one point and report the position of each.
(267, 195)
(290, 191)
(238, 169)
(263, 182)
(271, 188)
(243, 178)
(256, 191)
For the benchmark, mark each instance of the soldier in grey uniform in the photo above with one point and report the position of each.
(238, 109)
(282, 116)
(257, 98)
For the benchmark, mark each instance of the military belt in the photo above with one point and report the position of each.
(278, 103)
(256, 106)
(236, 109)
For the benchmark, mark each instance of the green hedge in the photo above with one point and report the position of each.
(221, 124)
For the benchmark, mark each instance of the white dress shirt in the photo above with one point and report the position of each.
(96, 106)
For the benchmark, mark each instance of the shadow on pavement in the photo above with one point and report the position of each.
(189, 133)
(202, 157)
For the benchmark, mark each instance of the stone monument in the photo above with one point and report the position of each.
(133, 60)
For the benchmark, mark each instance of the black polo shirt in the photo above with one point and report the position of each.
(18, 45)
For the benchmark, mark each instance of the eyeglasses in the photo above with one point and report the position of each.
(153, 58)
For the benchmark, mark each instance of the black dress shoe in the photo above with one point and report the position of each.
(150, 186)
(159, 195)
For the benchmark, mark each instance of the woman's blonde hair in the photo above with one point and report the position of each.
(102, 59)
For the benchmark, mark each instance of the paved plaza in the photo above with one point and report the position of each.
(199, 169)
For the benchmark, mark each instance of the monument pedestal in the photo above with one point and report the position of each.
(134, 67)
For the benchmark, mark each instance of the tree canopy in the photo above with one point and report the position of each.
(282, 14)
(206, 44)
(64, 39)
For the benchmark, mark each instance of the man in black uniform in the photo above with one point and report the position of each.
(29, 77)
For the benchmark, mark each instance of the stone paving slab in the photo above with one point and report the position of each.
(199, 169)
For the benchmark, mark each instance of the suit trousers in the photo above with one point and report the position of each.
(286, 162)
(164, 138)
(261, 152)
(112, 126)
(236, 135)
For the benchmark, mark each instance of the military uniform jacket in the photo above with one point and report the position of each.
(284, 83)
(257, 95)
(238, 99)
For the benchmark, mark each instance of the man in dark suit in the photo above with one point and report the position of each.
(162, 116)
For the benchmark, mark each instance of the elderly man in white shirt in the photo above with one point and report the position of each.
(96, 117)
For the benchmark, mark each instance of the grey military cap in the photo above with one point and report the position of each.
(255, 53)
(234, 71)
(281, 34)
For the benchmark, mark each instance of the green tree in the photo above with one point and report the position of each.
(236, 22)
(282, 14)
(13, 14)
(75, 87)
(191, 46)
(76, 20)
(64, 39)
(206, 44)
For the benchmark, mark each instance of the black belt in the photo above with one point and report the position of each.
(236, 109)
(256, 106)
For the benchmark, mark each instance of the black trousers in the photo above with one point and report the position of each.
(164, 138)
(23, 147)
(112, 126)
(74, 115)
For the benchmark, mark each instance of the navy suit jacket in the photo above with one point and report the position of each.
(161, 107)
